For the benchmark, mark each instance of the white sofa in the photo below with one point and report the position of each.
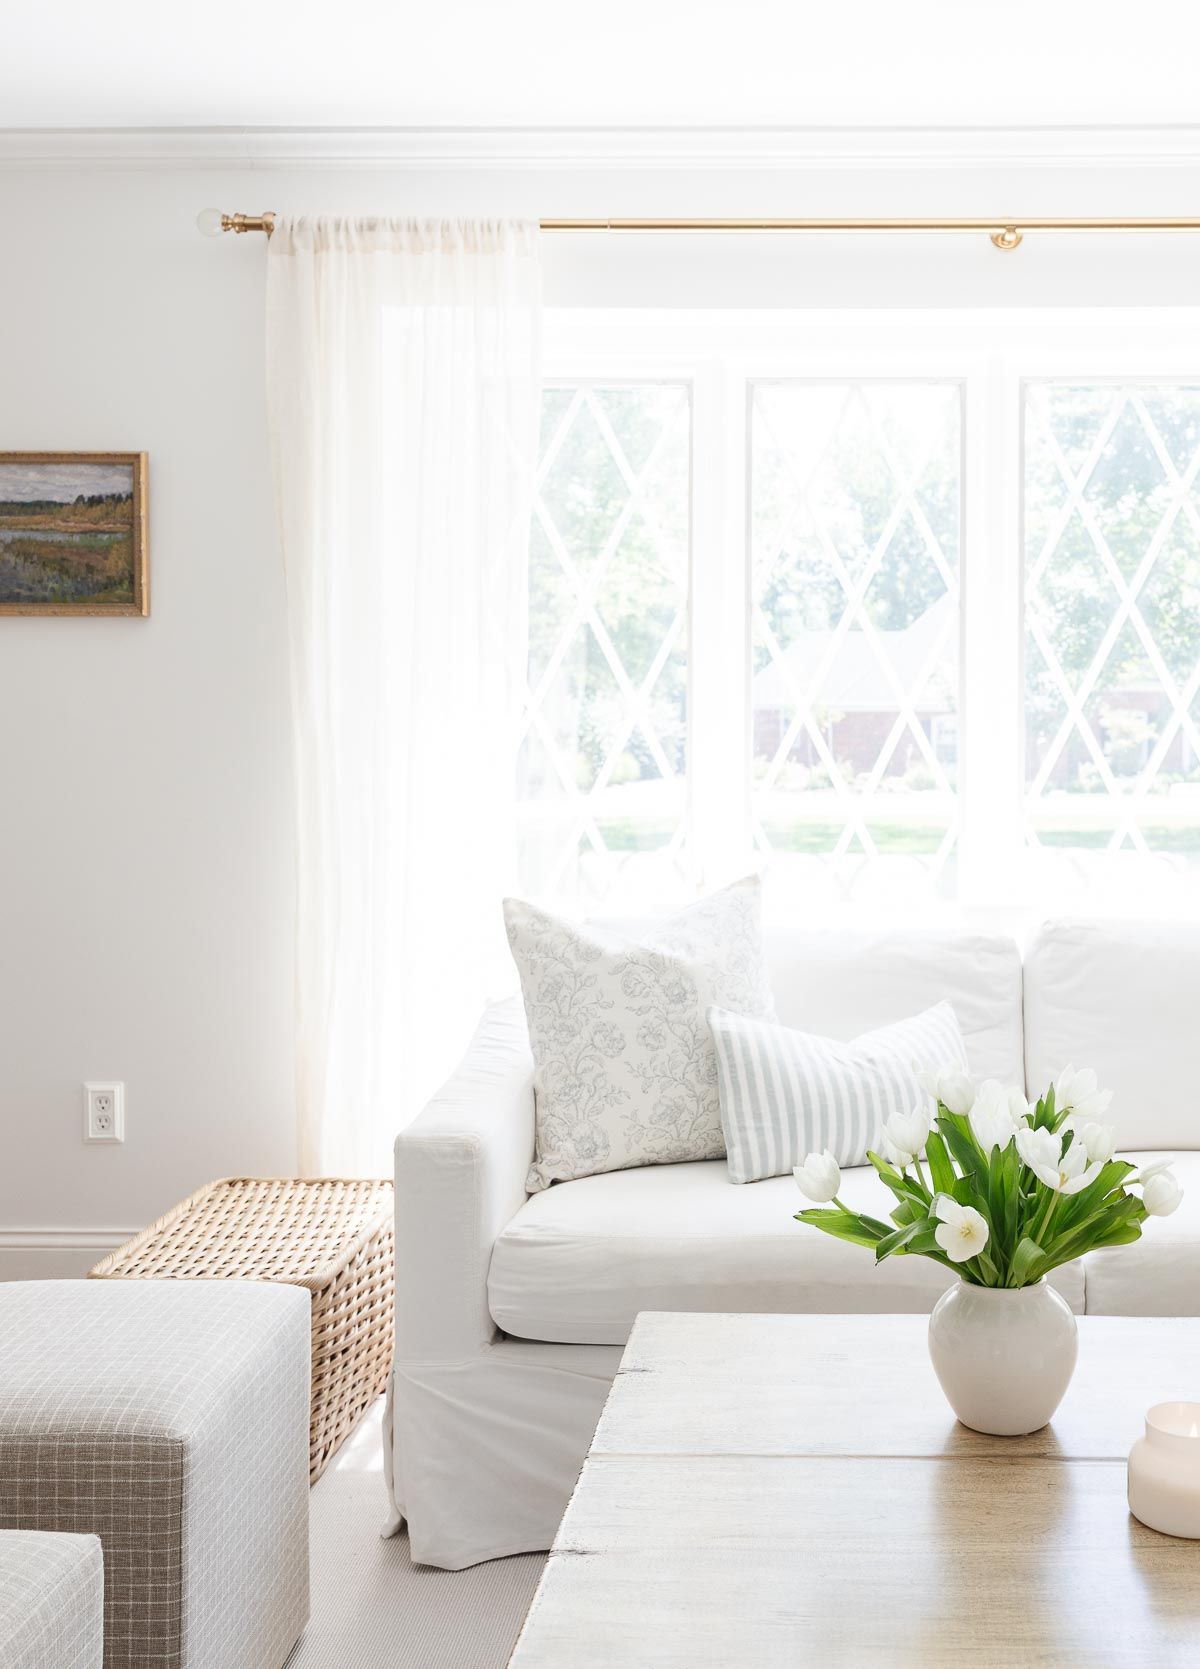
(512, 1310)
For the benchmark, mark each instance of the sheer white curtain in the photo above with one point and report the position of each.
(403, 380)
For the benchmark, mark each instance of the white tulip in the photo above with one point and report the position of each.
(991, 1115)
(905, 1134)
(1013, 1097)
(950, 1086)
(819, 1178)
(1074, 1172)
(961, 1230)
(1100, 1141)
(1039, 1147)
(1080, 1093)
(892, 1153)
(1147, 1171)
(991, 1127)
(1020, 1109)
(1161, 1194)
(1066, 1173)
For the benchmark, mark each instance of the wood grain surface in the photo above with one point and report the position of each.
(864, 1385)
(793, 1490)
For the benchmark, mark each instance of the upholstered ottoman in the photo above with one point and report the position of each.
(171, 1420)
(51, 1601)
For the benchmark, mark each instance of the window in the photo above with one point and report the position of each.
(903, 610)
(1112, 619)
(854, 624)
(602, 770)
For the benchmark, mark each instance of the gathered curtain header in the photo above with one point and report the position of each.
(401, 235)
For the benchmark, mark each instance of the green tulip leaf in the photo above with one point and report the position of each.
(941, 1171)
(956, 1133)
(1123, 1235)
(841, 1225)
(1026, 1260)
(896, 1241)
(1076, 1207)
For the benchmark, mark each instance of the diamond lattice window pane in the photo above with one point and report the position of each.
(855, 515)
(603, 763)
(1112, 613)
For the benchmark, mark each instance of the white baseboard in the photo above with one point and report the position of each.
(52, 1253)
(53, 1239)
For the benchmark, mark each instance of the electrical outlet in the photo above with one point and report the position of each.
(104, 1112)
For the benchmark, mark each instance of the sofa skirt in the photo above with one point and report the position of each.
(482, 1454)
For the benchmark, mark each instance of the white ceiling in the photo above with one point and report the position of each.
(610, 63)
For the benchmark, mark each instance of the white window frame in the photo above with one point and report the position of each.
(991, 354)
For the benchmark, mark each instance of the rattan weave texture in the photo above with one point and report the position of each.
(331, 1235)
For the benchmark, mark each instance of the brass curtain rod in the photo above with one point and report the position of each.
(1004, 234)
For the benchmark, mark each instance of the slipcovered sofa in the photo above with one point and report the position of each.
(512, 1310)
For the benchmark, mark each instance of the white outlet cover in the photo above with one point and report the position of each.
(104, 1112)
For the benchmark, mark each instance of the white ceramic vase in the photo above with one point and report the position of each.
(1004, 1357)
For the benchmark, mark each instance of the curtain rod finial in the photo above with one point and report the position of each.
(212, 222)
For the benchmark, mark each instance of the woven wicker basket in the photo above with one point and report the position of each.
(330, 1235)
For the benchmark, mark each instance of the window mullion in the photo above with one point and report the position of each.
(718, 700)
(990, 852)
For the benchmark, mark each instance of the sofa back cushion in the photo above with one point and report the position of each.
(1122, 997)
(842, 982)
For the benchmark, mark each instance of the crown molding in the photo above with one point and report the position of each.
(576, 149)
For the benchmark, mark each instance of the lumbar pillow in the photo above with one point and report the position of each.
(785, 1093)
(624, 1071)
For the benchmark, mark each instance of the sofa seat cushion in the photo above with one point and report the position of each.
(1160, 1273)
(577, 1262)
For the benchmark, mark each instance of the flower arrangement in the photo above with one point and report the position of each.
(1009, 1190)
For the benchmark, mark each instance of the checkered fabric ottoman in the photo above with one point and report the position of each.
(51, 1601)
(171, 1420)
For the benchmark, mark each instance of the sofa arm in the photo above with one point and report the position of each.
(460, 1178)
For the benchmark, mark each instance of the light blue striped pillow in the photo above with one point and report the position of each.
(786, 1094)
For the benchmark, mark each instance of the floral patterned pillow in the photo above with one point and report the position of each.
(624, 1068)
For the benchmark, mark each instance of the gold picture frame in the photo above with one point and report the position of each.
(73, 533)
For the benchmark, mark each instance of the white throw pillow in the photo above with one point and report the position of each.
(786, 1094)
(624, 1071)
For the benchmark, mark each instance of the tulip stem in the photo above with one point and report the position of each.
(920, 1173)
(1051, 1209)
(1044, 1216)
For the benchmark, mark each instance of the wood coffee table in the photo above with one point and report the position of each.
(794, 1490)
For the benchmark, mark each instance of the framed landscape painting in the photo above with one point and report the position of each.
(73, 533)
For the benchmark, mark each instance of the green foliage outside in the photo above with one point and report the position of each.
(1073, 599)
(642, 594)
